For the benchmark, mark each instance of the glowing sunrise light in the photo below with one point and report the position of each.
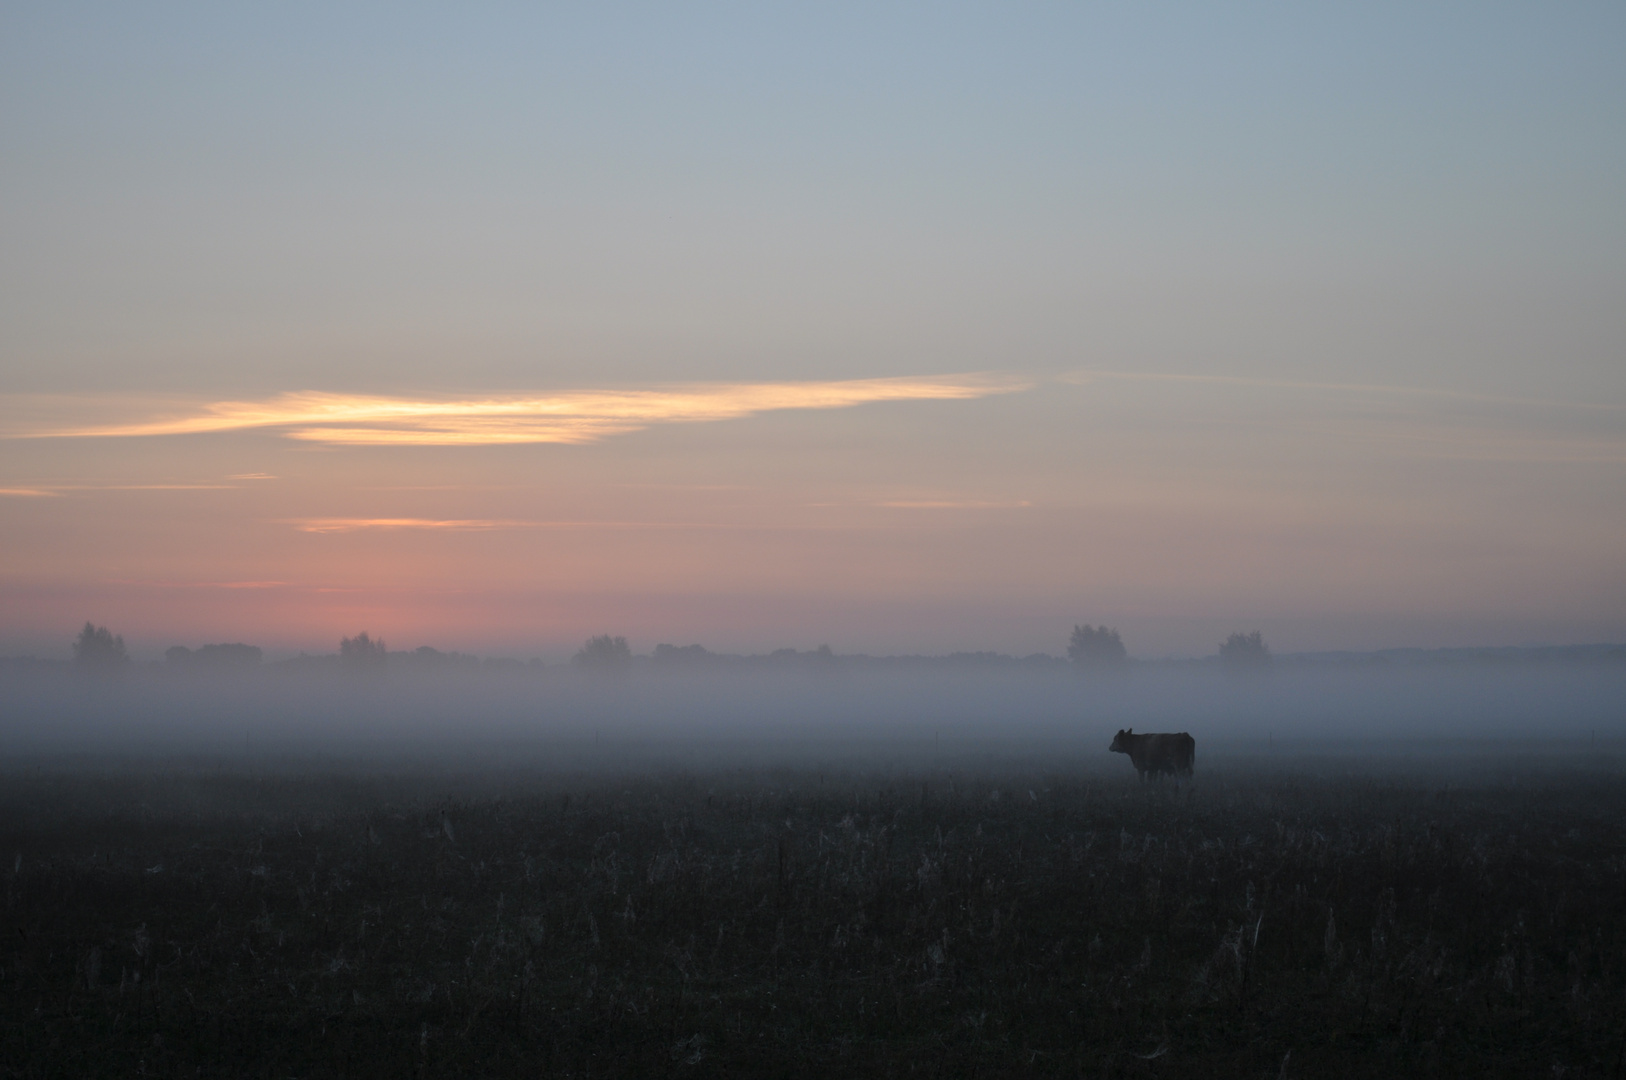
(573, 417)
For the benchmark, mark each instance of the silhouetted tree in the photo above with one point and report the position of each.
(98, 649)
(1242, 651)
(605, 654)
(1096, 647)
(362, 653)
(230, 655)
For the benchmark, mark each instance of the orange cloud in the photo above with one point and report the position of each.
(573, 417)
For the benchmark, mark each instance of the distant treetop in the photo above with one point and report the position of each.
(1096, 647)
(363, 653)
(1244, 651)
(605, 653)
(98, 649)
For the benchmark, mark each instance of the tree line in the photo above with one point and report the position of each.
(1097, 647)
(98, 649)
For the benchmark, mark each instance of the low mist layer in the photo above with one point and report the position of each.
(903, 709)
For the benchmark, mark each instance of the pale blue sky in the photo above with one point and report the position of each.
(1395, 234)
(235, 196)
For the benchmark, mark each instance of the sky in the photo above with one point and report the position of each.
(901, 328)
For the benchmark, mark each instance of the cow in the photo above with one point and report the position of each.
(1154, 755)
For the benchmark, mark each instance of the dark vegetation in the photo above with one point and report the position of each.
(1263, 921)
(225, 657)
(605, 653)
(1092, 646)
(363, 653)
(1244, 651)
(98, 649)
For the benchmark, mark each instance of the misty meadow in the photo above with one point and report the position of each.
(804, 864)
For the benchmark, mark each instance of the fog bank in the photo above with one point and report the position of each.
(912, 710)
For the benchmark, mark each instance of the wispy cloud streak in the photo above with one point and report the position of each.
(52, 491)
(1085, 377)
(573, 417)
(345, 525)
(1414, 422)
(342, 525)
(199, 584)
(950, 504)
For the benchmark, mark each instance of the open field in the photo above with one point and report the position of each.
(1284, 915)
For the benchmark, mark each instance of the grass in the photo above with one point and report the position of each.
(1268, 920)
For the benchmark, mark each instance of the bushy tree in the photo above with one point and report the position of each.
(1244, 651)
(1093, 646)
(605, 653)
(363, 653)
(98, 649)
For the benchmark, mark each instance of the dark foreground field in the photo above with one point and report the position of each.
(1276, 918)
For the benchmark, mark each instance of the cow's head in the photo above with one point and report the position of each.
(1120, 742)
